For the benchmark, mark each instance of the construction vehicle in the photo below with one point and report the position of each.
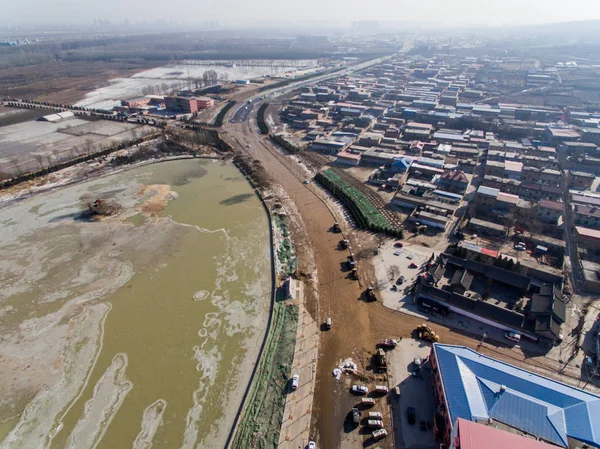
(424, 332)
(380, 360)
(371, 293)
(388, 343)
(344, 244)
(421, 229)
(336, 227)
(351, 261)
(354, 274)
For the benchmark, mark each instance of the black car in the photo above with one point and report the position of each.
(355, 416)
(412, 415)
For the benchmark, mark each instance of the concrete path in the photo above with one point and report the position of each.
(298, 407)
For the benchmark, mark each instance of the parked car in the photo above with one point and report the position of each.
(398, 244)
(367, 402)
(355, 416)
(411, 414)
(295, 382)
(376, 415)
(379, 434)
(423, 425)
(328, 323)
(311, 445)
(513, 336)
(375, 423)
(417, 362)
(306, 181)
(359, 389)
(381, 389)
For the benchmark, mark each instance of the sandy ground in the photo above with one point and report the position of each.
(360, 324)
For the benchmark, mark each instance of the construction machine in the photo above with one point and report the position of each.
(371, 293)
(424, 332)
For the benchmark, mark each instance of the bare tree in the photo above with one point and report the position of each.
(393, 272)
(40, 160)
(15, 164)
(56, 154)
(210, 77)
(89, 146)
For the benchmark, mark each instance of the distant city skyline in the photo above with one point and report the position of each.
(243, 13)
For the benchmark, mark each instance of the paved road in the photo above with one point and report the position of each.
(295, 429)
(243, 112)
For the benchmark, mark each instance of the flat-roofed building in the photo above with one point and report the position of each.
(580, 180)
(589, 238)
(346, 158)
(586, 216)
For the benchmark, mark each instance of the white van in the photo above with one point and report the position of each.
(295, 382)
(513, 336)
(379, 434)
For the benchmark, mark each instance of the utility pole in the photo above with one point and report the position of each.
(483, 337)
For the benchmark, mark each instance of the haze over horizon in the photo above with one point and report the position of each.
(239, 12)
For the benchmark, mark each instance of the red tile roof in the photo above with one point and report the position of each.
(472, 435)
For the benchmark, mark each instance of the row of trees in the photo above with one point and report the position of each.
(372, 222)
(223, 112)
(60, 165)
(289, 146)
(260, 119)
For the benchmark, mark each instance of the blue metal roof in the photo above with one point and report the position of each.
(479, 387)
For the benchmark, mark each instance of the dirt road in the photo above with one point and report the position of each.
(357, 325)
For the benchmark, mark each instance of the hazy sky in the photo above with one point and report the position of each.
(448, 12)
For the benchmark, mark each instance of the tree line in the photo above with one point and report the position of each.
(260, 119)
(58, 165)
